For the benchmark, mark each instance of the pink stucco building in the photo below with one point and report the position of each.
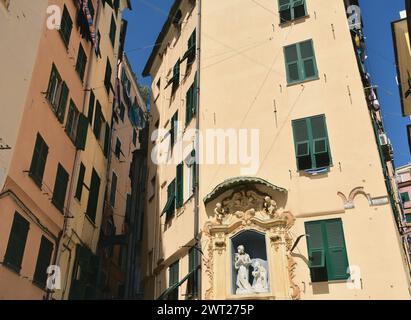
(404, 188)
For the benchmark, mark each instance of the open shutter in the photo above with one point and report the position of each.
(285, 10)
(316, 251)
(179, 185)
(60, 187)
(189, 105)
(91, 107)
(337, 261)
(107, 141)
(170, 205)
(61, 110)
(17, 242)
(193, 155)
(82, 127)
(93, 196)
(43, 261)
(80, 181)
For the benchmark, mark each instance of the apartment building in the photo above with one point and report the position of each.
(44, 140)
(129, 122)
(306, 220)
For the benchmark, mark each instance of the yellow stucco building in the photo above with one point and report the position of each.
(281, 192)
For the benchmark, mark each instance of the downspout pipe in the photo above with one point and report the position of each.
(197, 148)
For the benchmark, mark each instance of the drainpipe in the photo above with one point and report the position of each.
(197, 148)
(59, 250)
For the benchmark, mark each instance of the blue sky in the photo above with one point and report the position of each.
(148, 16)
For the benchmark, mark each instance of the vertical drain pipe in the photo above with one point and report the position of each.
(197, 151)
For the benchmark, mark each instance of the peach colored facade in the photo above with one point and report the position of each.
(20, 194)
(242, 77)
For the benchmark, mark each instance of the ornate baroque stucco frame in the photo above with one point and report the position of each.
(246, 208)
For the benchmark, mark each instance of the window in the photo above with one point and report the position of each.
(80, 182)
(72, 121)
(179, 185)
(122, 111)
(38, 161)
(171, 203)
(173, 280)
(17, 242)
(190, 54)
(113, 190)
(408, 218)
(134, 137)
(175, 79)
(174, 129)
(98, 121)
(312, 147)
(113, 28)
(118, 152)
(43, 262)
(405, 197)
(66, 26)
(192, 284)
(57, 94)
(326, 250)
(91, 8)
(300, 62)
(191, 101)
(60, 188)
(107, 77)
(190, 176)
(81, 62)
(106, 140)
(93, 196)
(91, 103)
(291, 9)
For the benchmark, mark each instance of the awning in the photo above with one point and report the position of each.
(170, 289)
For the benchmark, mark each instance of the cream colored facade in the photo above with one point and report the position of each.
(20, 54)
(242, 78)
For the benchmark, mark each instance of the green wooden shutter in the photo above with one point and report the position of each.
(315, 244)
(61, 109)
(17, 242)
(308, 64)
(43, 261)
(113, 190)
(38, 162)
(320, 145)
(93, 196)
(113, 28)
(179, 185)
(292, 64)
(66, 26)
(81, 62)
(91, 107)
(299, 9)
(97, 121)
(107, 140)
(302, 144)
(171, 200)
(285, 10)
(173, 279)
(80, 181)
(107, 76)
(82, 128)
(337, 261)
(60, 187)
(189, 105)
(193, 155)
(405, 197)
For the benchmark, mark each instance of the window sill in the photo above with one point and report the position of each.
(303, 81)
(57, 206)
(41, 286)
(38, 183)
(288, 23)
(12, 268)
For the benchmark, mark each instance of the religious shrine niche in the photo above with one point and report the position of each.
(248, 243)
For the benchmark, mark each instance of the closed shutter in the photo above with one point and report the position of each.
(17, 242)
(80, 181)
(97, 121)
(107, 140)
(93, 196)
(60, 188)
(91, 107)
(179, 185)
(171, 200)
(173, 279)
(189, 105)
(320, 145)
(61, 109)
(81, 62)
(113, 190)
(337, 254)
(193, 155)
(66, 26)
(82, 128)
(302, 144)
(43, 261)
(292, 64)
(38, 162)
(309, 66)
(107, 77)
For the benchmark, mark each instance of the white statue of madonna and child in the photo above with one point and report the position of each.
(242, 263)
